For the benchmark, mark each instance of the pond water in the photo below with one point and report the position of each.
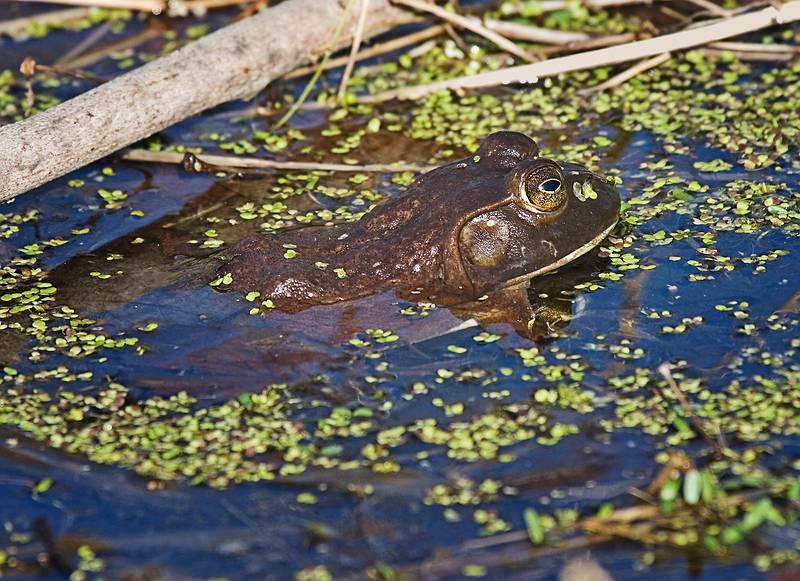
(174, 431)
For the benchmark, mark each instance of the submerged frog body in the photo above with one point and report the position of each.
(490, 221)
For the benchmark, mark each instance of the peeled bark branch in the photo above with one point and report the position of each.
(701, 35)
(232, 63)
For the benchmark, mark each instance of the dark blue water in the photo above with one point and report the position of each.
(207, 345)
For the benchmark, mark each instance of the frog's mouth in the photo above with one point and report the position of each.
(566, 259)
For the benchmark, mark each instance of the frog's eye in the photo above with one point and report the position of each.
(543, 189)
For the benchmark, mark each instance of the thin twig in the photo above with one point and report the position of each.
(710, 7)
(534, 33)
(531, 73)
(678, 462)
(174, 7)
(379, 49)
(320, 67)
(456, 38)
(553, 5)
(154, 29)
(30, 67)
(351, 60)
(155, 6)
(627, 74)
(679, 17)
(19, 25)
(85, 44)
(249, 10)
(756, 47)
(421, 49)
(471, 24)
(769, 57)
(716, 440)
(234, 163)
(591, 43)
(704, 17)
(199, 7)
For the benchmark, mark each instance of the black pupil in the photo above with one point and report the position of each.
(550, 186)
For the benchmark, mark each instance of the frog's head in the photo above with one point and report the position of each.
(526, 215)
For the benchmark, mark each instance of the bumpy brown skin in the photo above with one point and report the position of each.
(460, 231)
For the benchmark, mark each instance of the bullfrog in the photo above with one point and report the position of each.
(490, 221)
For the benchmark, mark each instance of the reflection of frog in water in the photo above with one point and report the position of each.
(470, 227)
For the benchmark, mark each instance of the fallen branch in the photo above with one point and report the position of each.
(471, 24)
(722, 29)
(231, 163)
(232, 63)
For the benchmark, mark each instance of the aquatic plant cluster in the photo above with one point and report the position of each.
(670, 404)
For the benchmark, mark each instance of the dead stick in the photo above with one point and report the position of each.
(351, 61)
(155, 6)
(553, 5)
(770, 57)
(376, 50)
(331, 47)
(80, 61)
(205, 162)
(19, 25)
(710, 7)
(249, 10)
(627, 74)
(534, 33)
(725, 28)
(756, 47)
(471, 24)
(30, 67)
(592, 43)
(716, 440)
(84, 45)
(232, 63)
(202, 5)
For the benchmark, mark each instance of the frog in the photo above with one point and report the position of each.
(491, 221)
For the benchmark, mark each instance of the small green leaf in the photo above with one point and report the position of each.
(692, 487)
(42, 486)
(533, 525)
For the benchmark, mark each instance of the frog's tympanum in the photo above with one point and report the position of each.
(490, 221)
